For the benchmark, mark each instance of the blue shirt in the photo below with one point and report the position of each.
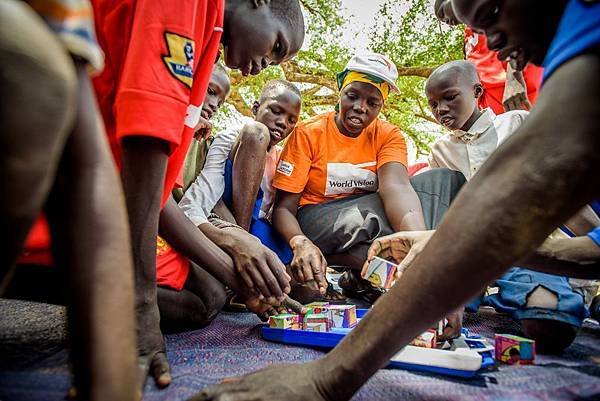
(595, 235)
(578, 31)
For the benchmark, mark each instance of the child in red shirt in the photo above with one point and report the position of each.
(159, 58)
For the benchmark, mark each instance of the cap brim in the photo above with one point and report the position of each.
(391, 84)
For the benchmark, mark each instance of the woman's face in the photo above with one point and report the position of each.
(360, 104)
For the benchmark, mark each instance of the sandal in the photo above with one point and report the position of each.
(356, 287)
(233, 303)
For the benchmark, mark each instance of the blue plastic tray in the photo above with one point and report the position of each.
(331, 339)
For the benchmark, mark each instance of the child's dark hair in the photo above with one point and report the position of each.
(288, 11)
(278, 83)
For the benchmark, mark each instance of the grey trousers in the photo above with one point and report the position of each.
(350, 225)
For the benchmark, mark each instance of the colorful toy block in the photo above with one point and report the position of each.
(426, 340)
(514, 350)
(317, 322)
(381, 272)
(342, 316)
(317, 307)
(286, 321)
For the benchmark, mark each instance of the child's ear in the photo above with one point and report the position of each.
(478, 91)
(255, 107)
(258, 3)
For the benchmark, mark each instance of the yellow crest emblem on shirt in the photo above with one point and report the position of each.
(180, 59)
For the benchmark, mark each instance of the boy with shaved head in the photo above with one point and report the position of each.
(505, 88)
(534, 182)
(532, 298)
(453, 91)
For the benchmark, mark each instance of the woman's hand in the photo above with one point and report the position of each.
(309, 265)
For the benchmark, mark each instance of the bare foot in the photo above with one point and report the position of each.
(151, 347)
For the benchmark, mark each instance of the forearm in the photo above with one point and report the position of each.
(527, 188)
(286, 224)
(402, 208)
(583, 221)
(574, 257)
(191, 242)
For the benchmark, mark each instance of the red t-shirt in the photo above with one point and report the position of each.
(492, 71)
(159, 58)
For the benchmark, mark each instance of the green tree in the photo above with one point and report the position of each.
(405, 31)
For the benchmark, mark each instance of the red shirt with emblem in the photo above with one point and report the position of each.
(492, 72)
(159, 59)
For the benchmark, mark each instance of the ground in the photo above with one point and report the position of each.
(33, 362)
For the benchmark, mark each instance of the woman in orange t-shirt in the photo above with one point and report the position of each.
(342, 179)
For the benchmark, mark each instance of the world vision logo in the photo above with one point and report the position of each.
(382, 61)
(180, 59)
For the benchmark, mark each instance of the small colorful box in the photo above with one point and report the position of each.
(286, 321)
(317, 307)
(426, 340)
(317, 322)
(514, 350)
(381, 272)
(342, 316)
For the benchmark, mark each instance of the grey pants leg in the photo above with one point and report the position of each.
(436, 189)
(351, 224)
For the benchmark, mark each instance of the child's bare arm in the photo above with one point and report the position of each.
(401, 203)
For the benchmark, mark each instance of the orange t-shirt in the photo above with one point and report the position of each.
(323, 164)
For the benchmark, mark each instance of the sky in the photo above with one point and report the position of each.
(360, 13)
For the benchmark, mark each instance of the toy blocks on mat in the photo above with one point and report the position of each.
(317, 307)
(514, 350)
(286, 321)
(342, 316)
(318, 322)
(381, 272)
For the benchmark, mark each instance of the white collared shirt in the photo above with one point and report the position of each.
(467, 151)
(206, 190)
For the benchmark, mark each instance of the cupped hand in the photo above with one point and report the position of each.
(203, 129)
(402, 248)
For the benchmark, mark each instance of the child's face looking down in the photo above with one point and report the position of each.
(360, 104)
(217, 91)
(453, 100)
(255, 38)
(519, 29)
(279, 112)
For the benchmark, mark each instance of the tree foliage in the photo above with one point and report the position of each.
(406, 31)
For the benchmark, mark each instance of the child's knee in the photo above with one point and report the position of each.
(255, 136)
(551, 336)
(215, 301)
(542, 298)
